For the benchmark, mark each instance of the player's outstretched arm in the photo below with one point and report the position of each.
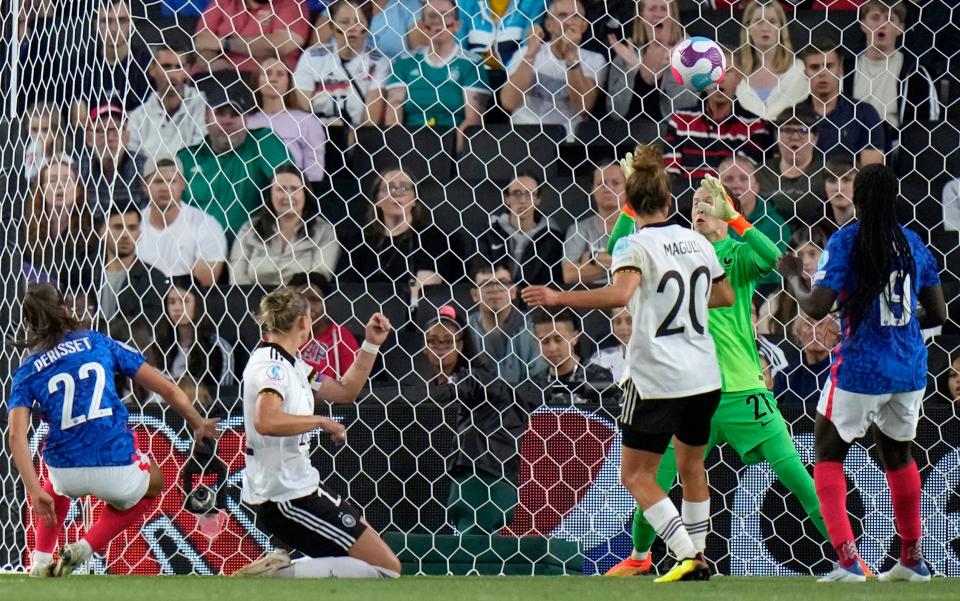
(618, 294)
(270, 419)
(40, 501)
(816, 301)
(154, 381)
(933, 311)
(721, 294)
(349, 386)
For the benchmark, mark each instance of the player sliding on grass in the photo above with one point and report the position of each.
(89, 449)
(279, 482)
(747, 418)
(669, 276)
(879, 271)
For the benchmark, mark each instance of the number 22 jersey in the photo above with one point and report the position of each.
(671, 353)
(886, 353)
(73, 384)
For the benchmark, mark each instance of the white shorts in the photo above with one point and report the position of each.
(121, 486)
(895, 414)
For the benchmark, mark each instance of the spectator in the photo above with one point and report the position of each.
(522, 237)
(83, 305)
(178, 239)
(338, 78)
(697, 141)
(332, 348)
(59, 246)
(951, 205)
(772, 361)
(639, 82)
(779, 310)
(495, 30)
(793, 180)
(390, 23)
(953, 378)
(399, 244)
(774, 77)
(498, 328)
(109, 170)
(900, 90)
(839, 191)
(585, 257)
(128, 287)
(236, 34)
(799, 385)
(438, 85)
(301, 131)
(287, 236)
(116, 68)
(568, 381)
(46, 138)
(491, 419)
(172, 117)
(228, 171)
(189, 339)
(555, 81)
(847, 126)
(614, 358)
(738, 174)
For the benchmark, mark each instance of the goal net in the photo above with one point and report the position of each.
(168, 162)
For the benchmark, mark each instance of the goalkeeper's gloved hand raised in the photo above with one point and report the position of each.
(721, 206)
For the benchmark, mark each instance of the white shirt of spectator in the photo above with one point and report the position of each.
(547, 101)
(682, 264)
(193, 236)
(792, 87)
(951, 206)
(326, 80)
(154, 132)
(878, 82)
(279, 468)
(613, 359)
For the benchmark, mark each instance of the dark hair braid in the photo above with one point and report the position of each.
(880, 247)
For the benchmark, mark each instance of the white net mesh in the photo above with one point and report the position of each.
(449, 138)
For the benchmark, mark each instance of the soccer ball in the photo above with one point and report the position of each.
(697, 63)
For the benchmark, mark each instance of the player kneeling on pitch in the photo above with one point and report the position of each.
(279, 482)
(669, 275)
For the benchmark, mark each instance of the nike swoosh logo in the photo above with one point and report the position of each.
(764, 424)
(496, 246)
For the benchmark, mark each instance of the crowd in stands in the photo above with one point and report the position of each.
(164, 168)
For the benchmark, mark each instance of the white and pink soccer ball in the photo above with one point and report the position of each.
(697, 63)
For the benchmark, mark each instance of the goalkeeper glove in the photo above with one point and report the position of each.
(722, 207)
(625, 222)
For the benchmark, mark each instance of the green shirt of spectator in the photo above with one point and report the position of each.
(230, 186)
(437, 94)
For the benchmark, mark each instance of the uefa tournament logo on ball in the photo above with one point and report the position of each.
(697, 63)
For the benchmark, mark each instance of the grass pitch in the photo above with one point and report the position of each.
(193, 588)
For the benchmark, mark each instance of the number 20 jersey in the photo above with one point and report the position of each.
(671, 353)
(886, 353)
(73, 385)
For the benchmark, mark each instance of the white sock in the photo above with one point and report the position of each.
(39, 558)
(87, 549)
(696, 519)
(665, 519)
(333, 567)
(639, 555)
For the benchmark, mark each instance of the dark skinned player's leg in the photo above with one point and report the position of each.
(904, 481)
(831, 487)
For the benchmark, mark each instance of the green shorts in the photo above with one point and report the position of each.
(746, 419)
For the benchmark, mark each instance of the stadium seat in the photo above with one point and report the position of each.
(497, 152)
(421, 153)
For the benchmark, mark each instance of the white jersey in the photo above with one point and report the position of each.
(278, 467)
(671, 353)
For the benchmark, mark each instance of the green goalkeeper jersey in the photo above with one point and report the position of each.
(732, 327)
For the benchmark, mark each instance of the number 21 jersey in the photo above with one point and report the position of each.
(671, 353)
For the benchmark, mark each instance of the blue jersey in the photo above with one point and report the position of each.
(886, 353)
(73, 386)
